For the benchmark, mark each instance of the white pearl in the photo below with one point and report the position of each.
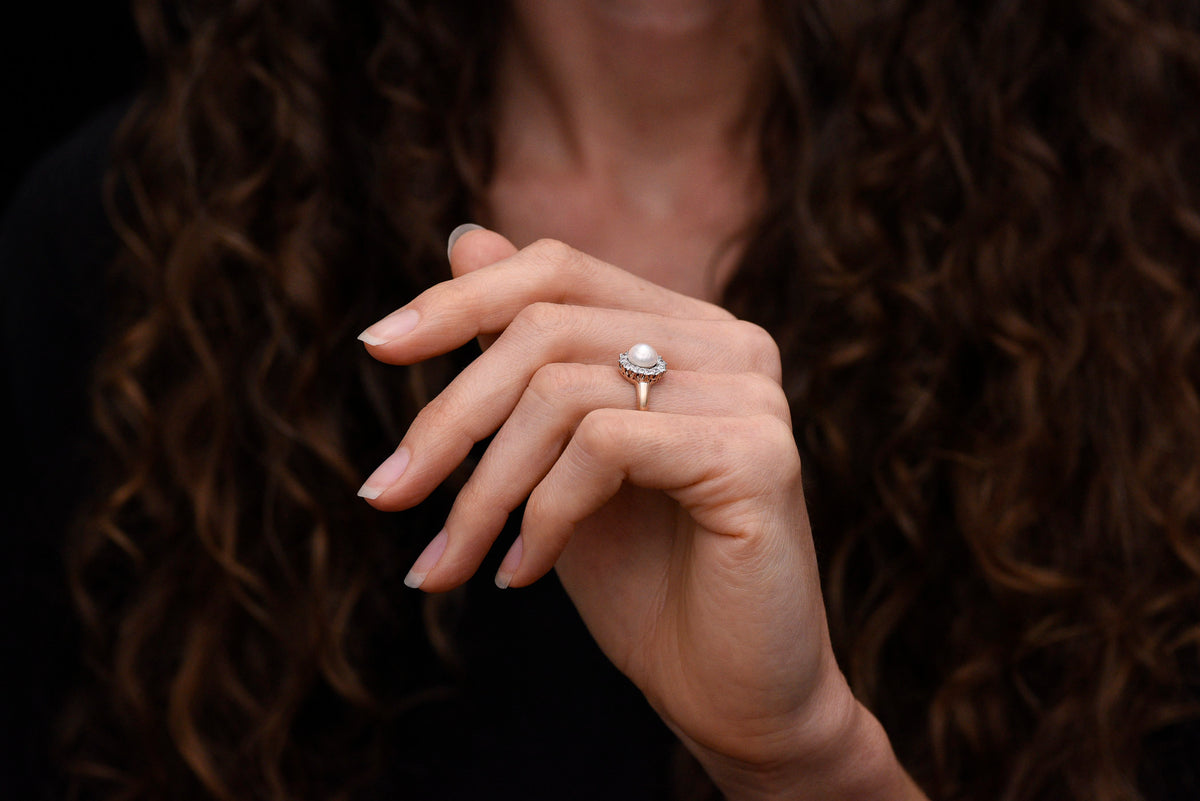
(642, 355)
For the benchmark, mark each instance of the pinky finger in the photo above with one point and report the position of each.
(723, 471)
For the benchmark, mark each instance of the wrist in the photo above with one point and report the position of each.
(840, 752)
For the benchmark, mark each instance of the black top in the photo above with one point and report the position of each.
(551, 718)
(54, 243)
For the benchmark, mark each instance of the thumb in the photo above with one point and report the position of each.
(471, 247)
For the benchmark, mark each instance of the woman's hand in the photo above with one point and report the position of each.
(680, 533)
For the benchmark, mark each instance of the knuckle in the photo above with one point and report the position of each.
(549, 248)
(768, 395)
(445, 416)
(718, 312)
(773, 437)
(602, 430)
(473, 497)
(707, 310)
(453, 293)
(540, 319)
(564, 262)
(435, 413)
(762, 348)
(553, 253)
(538, 506)
(554, 382)
(771, 429)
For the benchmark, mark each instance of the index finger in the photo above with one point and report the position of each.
(486, 300)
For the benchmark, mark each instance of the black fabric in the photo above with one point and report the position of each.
(54, 243)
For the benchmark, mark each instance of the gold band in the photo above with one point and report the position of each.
(643, 395)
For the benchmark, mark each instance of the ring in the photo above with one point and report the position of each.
(642, 366)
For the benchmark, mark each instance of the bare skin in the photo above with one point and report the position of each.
(629, 131)
(680, 533)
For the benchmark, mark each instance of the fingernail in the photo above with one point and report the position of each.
(426, 561)
(391, 327)
(512, 561)
(458, 232)
(385, 475)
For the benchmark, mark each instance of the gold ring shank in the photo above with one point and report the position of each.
(643, 395)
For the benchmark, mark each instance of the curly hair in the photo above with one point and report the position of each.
(980, 238)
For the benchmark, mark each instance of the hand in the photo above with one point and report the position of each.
(680, 533)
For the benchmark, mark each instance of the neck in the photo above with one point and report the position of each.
(629, 129)
(593, 84)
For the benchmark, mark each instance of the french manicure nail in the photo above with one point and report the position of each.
(393, 326)
(386, 474)
(512, 561)
(458, 232)
(426, 561)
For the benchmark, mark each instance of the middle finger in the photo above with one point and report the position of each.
(482, 397)
(535, 434)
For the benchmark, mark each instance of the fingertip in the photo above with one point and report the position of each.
(427, 561)
(535, 551)
(472, 246)
(386, 474)
(396, 325)
(367, 338)
(457, 234)
(510, 564)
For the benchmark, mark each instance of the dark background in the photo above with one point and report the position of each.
(60, 64)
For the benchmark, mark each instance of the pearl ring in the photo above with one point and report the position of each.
(642, 366)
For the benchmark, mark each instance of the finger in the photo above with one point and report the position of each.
(730, 473)
(482, 396)
(533, 438)
(488, 299)
(471, 247)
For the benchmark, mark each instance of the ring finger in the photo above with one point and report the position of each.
(541, 425)
(483, 396)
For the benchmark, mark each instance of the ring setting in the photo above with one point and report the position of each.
(642, 366)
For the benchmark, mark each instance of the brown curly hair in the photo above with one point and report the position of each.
(978, 254)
